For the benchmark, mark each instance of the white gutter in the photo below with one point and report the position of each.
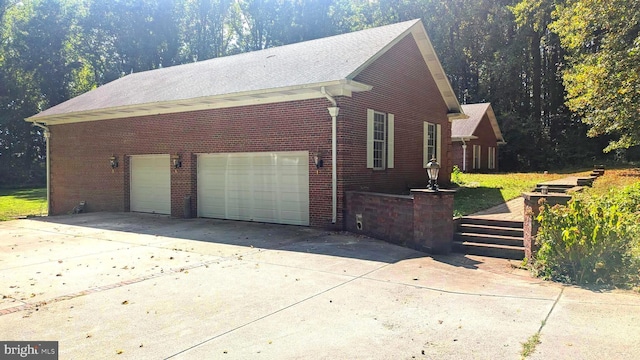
(47, 136)
(333, 111)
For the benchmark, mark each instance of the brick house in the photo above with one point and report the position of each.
(276, 135)
(475, 139)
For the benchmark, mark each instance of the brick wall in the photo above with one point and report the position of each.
(421, 221)
(401, 84)
(384, 216)
(80, 152)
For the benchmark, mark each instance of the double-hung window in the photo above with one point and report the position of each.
(477, 154)
(380, 135)
(491, 163)
(432, 148)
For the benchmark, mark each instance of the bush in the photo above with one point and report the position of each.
(592, 240)
(456, 175)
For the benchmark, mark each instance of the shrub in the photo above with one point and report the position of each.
(456, 175)
(591, 240)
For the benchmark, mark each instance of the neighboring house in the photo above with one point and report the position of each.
(475, 139)
(239, 137)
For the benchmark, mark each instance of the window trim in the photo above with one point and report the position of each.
(477, 157)
(491, 160)
(437, 146)
(388, 145)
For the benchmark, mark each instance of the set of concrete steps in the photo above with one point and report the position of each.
(489, 237)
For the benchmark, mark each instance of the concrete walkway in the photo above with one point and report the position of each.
(511, 210)
(132, 286)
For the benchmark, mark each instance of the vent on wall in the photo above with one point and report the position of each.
(359, 221)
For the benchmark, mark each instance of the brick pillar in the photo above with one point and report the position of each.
(432, 221)
(531, 212)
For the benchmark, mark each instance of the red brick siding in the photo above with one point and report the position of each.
(403, 86)
(81, 151)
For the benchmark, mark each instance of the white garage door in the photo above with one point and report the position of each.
(151, 184)
(264, 187)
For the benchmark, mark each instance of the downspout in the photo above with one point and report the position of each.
(47, 136)
(333, 111)
(464, 155)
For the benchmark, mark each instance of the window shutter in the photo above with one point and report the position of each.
(370, 115)
(390, 135)
(425, 149)
(439, 143)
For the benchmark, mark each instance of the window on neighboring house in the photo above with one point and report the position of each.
(492, 158)
(432, 140)
(380, 134)
(477, 150)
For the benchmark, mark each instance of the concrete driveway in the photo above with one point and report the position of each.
(132, 286)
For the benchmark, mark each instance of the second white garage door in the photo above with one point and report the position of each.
(150, 184)
(266, 187)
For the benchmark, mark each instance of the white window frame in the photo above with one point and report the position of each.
(430, 150)
(477, 157)
(385, 160)
(492, 158)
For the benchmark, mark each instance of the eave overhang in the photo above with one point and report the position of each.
(256, 97)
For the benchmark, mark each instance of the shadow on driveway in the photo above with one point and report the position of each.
(249, 234)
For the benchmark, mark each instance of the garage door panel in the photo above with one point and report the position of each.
(150, 186)
(266, 187)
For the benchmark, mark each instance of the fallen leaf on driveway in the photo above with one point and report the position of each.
(126, 302)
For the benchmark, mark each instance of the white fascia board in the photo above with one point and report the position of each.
(463, 138)
(268, 96)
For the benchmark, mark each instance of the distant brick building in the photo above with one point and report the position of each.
(475, 139)
(276, 135)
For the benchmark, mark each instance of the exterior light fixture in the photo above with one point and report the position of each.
(175, 161)
(113, 161)
(317, 159)
(433, 168)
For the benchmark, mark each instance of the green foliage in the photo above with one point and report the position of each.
(456, 175)
(592, 240)
(602, 82)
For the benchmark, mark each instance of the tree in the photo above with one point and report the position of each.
(602, 81)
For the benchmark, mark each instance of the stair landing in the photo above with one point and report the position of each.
(511, 210)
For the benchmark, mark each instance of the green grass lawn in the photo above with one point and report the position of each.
(481, 191)
(22, 202)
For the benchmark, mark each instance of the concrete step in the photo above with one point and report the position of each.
(491, 229)
(560, 186)
(489, 239)
(490, 250)
(491, 222)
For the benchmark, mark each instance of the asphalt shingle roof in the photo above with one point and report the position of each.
(317, 61)
(466, 127)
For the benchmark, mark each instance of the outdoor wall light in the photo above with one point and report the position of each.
(433, 168)
(113, 161)
(317, 159)
(175, 161)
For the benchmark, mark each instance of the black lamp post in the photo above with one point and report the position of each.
(433, 168)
